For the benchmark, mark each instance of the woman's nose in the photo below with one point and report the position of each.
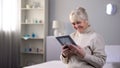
(76, 25)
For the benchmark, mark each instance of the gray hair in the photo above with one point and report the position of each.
(78, 14)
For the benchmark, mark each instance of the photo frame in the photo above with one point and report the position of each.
(65, 40)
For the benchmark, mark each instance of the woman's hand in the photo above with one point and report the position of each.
(66, 52)
(77, 50)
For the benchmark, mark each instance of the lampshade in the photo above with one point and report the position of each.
(55, 24)
(110, 9)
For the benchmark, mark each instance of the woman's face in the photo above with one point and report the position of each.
(80, 26)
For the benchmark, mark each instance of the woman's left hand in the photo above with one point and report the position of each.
(77, 50)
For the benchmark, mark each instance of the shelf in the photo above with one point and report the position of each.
(33, 38)
(31, 8)
(32, 23)
(33, 53)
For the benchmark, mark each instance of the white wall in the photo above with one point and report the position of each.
(108, 26)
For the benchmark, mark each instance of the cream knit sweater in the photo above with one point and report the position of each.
(94, 47)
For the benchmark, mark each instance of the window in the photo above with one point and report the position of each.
(8, 12)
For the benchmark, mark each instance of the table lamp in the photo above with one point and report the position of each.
(55, 26)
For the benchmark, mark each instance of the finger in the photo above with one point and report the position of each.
(79, 47)
(71, 51)
(72, 47)
(65, 46)
(65, 50)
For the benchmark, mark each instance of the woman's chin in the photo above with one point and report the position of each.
(80, 31)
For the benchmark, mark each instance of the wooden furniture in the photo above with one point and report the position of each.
(34, 20)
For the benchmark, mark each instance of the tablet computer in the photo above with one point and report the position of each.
(65, 40)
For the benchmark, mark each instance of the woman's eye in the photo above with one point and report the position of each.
(78, 22)
(73, 23)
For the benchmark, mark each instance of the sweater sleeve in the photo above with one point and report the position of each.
(98, 58)
(64, 59)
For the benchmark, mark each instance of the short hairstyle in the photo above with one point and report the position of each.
(78, 14)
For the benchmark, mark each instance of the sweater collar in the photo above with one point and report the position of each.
(86, 31)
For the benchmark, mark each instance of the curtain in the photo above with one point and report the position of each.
(9, 34)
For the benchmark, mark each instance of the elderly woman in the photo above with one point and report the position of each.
(90, 49)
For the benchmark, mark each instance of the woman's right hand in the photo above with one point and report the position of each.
(66, 52)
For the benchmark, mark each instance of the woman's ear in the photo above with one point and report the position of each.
(87, 22)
